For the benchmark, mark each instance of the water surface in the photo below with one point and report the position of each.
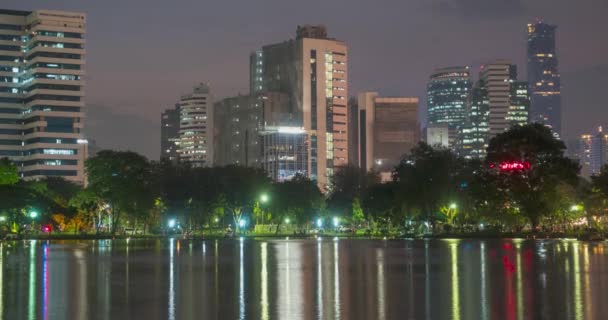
(304, 279)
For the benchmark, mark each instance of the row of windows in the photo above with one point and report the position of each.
(60, 34)
(4, 142)
(47, 86)
(9, 153)
(65, 77)
(57, 66)
(52, 162)
(10, 121)
(51, 97)
(60, 152)
(9, 58)
(57, 55)
(10, 27)
(59, 45)
(10, 37)
(68, 173)
(5, 47)
(52, 108)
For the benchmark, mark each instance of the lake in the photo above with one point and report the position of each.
(304, 279)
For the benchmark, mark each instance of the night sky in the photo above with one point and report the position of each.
(143, 54)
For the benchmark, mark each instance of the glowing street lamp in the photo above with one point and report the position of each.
(216, 220)
(242, 223)
(33, 214)
(336, 222)
(319, 222)
(2, 218)
(264, 198)
(576, 207)
(287, 220)
(172, 223)
(453, 206)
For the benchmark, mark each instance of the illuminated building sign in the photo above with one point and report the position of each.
(512, 166)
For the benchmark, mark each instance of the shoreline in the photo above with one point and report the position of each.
(581, 236)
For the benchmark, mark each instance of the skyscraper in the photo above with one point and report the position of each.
(388, 130)
(447, 93)
(196, 127)
(169, 134)
(312, 71)
(593, 152)
(544, 77)
(497, 102)
(42, 93)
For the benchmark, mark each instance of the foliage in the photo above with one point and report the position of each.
(534, 190)
(8, 172)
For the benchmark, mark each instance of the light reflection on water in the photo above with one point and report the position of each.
(303, 279)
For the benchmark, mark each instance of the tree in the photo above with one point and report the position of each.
(8, 172)
(121, 179)
(348, 183)
(532, 190)
(429, 179)
(240, 187)
(299, 199)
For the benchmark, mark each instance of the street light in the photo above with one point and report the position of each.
(172, 223)
(336, 222)
(319, 222)
(264, 198)
(2, 218)
(453, 205)
(576, 207)
(287, 220)
(242, 223)
(33, 214)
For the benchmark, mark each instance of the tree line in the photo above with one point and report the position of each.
(525, 182)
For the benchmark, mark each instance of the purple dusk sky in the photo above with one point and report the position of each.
(142, 54)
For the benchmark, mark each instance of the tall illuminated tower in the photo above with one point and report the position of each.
(544, 77)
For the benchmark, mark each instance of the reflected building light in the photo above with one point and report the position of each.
(31, 310)
(589, 310)
(264, 277)
(484, 299)
(578, 303)
(241, 282)
(455, 286)
(81, 290)
(45, 281)
(336, 282)
(520, 291)
(171, 306)
(1, 280)
(427, 281)
(381, 285)
(319, 282)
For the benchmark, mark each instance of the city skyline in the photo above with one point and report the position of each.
(116, 85)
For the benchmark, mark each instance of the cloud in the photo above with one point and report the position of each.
(479, 9)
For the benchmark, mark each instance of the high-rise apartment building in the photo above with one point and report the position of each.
(196, 129)
(544, 77)
(593, 152)
(497, 102)
(42, 93)
(447, 93)
(312, 71)
(169, 134)
(388, 129)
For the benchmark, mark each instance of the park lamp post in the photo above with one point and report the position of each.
(2, 218)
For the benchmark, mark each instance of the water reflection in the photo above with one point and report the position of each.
(303, 279)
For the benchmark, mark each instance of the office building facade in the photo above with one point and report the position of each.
(388, 130)
(42, 106)
(447, 93)
(284, 152)
(312, 71)
(544, 77)
(497, 102)
(196, 128)
(169, 134)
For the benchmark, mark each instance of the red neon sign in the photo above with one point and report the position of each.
(514, 165)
